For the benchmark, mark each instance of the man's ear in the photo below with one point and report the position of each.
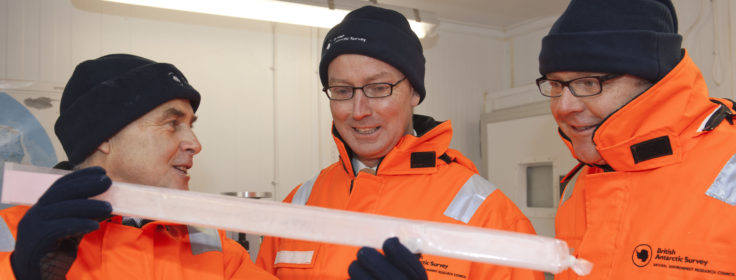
(415, 98)
(104, 147)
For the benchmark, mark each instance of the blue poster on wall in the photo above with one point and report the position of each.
(22, 138)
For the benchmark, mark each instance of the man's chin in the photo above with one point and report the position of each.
(592, 159)
(176, 186)
(589, 157)
(180, 187)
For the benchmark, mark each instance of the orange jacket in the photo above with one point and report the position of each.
(156, 251)
(419, 179)
(667, 209)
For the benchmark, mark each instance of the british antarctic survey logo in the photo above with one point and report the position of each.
(343, 37)
(642, 255)
(683, 261)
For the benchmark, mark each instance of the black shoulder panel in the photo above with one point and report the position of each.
(652, 148)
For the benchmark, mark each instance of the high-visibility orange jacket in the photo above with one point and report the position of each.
(665, 206)
(418, 179)
(156, 251)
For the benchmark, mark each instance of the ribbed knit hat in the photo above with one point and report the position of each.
(106, 94)
(637, 37)
(382, 34)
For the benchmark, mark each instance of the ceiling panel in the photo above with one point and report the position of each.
(494, 13)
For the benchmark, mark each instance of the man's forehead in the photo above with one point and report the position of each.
(339, 78)
(348, 62)
(565, 75)
(173, 108)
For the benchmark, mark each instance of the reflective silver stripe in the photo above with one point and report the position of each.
(469, 198)
(705, 121)
(294, 257)
(7, 241)
(204, 240)
(724, 187)
(302, 194)
(567, 192)
(570, 188)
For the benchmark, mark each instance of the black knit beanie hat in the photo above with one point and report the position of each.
(636, 37)
(106, 94)
(381, 34)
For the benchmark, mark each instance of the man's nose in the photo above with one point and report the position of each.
(567, 102)
(361, 105)
(190, 142)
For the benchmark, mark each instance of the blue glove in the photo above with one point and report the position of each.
(399, 263)
(49, 233)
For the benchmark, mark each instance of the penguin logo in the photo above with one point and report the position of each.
(642, 255)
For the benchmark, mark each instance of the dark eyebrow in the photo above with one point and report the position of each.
(379, 76)
(172, 112)
(176, 113)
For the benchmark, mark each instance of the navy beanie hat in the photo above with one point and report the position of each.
(106, 94)
(381, 34)
(636, 37)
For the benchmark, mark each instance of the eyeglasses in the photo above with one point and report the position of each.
(580, 87)
(375, 90)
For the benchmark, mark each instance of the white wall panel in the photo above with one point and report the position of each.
(461, 69)
(4, 40)
(60, 61)
(231, 69)
(34, 33)
(47, 29)
(31, 40)
(525, 59)
(15, 15)
(298, 100)
(731, 10)
(86, 29)
(328, 150)
(532, 140)
(704, 25)
(117, 28)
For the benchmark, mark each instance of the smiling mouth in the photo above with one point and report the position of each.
(583, 128)
(182, 168)
(366, 131)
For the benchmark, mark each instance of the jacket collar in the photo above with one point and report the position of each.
(649, 131)
(412, 154)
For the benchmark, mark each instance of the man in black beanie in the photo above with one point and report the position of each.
(128, 119)
(392, 162)
(654, 193)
